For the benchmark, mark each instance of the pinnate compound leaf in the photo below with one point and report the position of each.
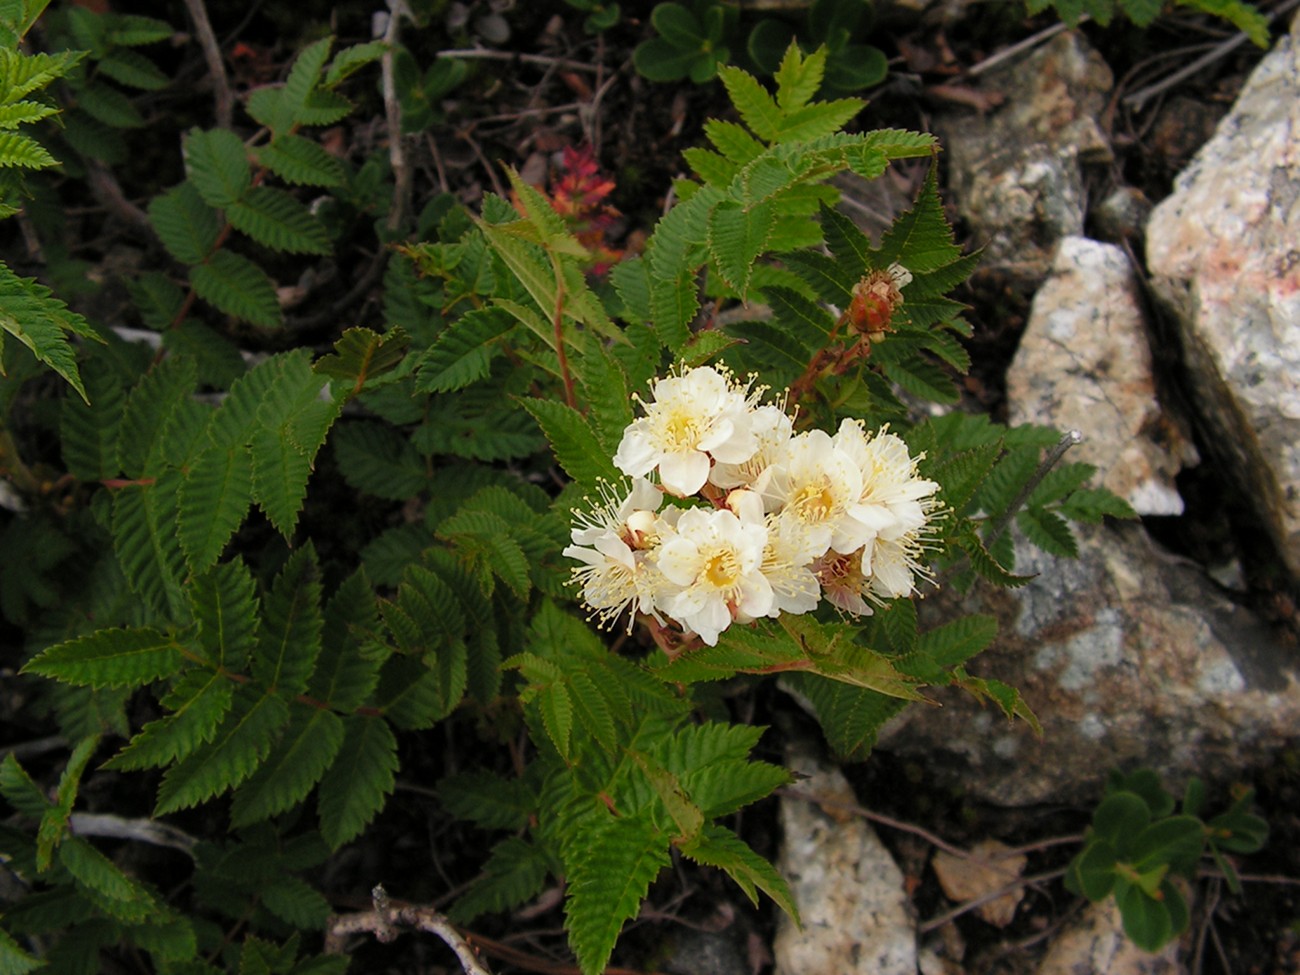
(575, 444)
(15, 961)
(737, 236)
(851, 717)
(276, 220)
(100, 874)
(301, 162)
(359, 781)
(348, 667)
(309, 746)
(290, 637)
(31, 314)
(146, 546)
(109, 658)
(22, 151)
(235, 285)
(302, 81)
(513, 874)
(187, 226)
(151, 402)
(223, 602)
(217, 163)
(200, 701)
(215, 497)
(295, 902)
(361, 355)
(89, 431)
(616, 864)
(717, 846)
(379, 460)
(1049, 531)
(757, 108)
(463, 351)
(241, 743)
(487, 800)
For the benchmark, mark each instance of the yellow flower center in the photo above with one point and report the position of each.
(813, 502)
(722, 569)
(681, 429)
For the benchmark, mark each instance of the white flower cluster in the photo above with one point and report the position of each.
(782, 519)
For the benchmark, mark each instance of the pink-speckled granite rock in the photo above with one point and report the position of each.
(1224, 255)
(1084, 363)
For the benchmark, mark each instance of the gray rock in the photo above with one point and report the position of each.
(1084, 363)
(855, 912)
(1015, 175)
(1224, 254)
(1128, 656)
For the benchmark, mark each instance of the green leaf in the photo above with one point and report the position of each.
(757, 108)
(133, 30)
(361, 354)
(1176, 840)
(487, 800)
(276, 220)
(235, 285)
(217, 164)
(348, 667)
(109, 658)
(1119, 818)
(719, 847)
(134, 70)
(187, 226)
(24, 152)
(379, 460)
(31, 314)
(224, 605)
(616, 864)
(309, 746)
(13, 960)
(1094, 869)
(1049, 531)
(575, 444)
(463, 351)
(737, 236)
(20, 790)
(145, 542)
(200, 700)
(920, 239)
(513, 874)
(89, 430)
(352, 59)
(851, 717)
(360, 779)
(293, 900)
(215, 497)
(291, 106)
(91, 869)
(290, 637)
(106, 104)
(301, 162)
(240, 745)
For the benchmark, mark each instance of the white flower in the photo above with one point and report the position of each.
(711, 567)
(696, 418)
(772, 428)
(894, 500)
(813, 484)
(611, 541)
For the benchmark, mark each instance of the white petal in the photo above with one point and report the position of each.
(684, 472)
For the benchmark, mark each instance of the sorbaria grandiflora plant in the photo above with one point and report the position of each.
(553, 512)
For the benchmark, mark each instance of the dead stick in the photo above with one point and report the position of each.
(212, 54)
